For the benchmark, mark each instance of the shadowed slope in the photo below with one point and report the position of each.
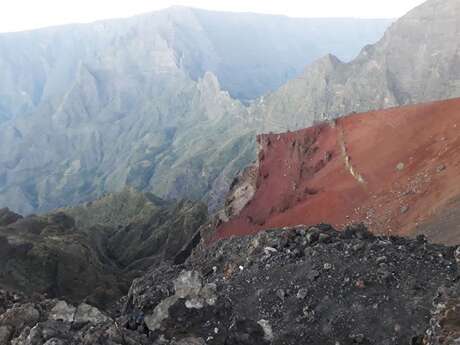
(94, 251)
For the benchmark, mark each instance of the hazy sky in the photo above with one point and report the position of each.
(18, 15)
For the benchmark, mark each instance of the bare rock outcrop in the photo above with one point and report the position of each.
(395, 170)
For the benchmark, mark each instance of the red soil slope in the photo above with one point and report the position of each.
(394, 170)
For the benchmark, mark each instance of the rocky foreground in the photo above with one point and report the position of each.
(292, 286)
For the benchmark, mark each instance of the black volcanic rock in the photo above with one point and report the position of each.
(279, 287)
(286, 287)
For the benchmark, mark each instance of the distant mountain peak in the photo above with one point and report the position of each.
(415, 61)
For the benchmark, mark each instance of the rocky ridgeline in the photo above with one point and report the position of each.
(291, 286)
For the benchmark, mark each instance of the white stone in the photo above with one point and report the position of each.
(63, 312)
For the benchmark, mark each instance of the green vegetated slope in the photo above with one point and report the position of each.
(93, 251)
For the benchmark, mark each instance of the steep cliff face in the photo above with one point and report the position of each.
(38, 65)
(394, 170)
(131, 102)
(87, 147)
(146, 101)
(417, 60)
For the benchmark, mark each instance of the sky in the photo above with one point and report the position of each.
(18, 15)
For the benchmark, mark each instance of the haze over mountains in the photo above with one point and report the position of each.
(250, 54)
(91, 108)
(132, 102)
(417, 60)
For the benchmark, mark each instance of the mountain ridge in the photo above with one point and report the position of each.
(177, 137)
(97, 107)
(408, 65)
